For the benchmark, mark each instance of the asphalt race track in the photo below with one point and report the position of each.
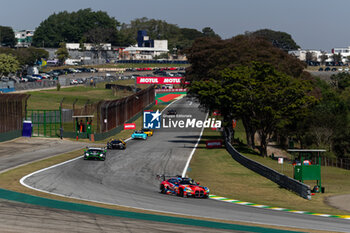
(128, 178)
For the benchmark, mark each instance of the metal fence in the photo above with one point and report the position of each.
(12, 111)
(45, 123)
(282, 180)
(109, 114)
(336, 162)
(114, 113)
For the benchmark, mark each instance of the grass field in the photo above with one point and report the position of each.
(50, 99)
(226, 177)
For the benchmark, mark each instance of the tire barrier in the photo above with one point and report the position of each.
(282, 180)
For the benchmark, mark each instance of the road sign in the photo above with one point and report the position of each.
(280, 160)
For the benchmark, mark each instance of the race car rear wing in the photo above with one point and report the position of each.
(167, 176)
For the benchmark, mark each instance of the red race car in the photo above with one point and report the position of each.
(183, 187)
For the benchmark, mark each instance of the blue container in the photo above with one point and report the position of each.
(27, 129)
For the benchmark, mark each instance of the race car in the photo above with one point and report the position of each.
(171, 112)
(139, 134)
(149, 132)
(95, 153)
(183, 187)
(116, 144)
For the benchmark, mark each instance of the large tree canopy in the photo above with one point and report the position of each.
(248, 78)
(26, 56)
(7, 36)
(210, 55)
(8, 64)
(279, 39)
(262, 97)
(75, 27)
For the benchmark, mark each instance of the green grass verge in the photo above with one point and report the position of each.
(226, 177)
(50, 99)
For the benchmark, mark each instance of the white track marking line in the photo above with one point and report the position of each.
(56, 165)
(194, 149)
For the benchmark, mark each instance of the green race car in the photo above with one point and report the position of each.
(95, 153)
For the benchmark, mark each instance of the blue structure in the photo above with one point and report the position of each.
(27, 129)
(141, 42)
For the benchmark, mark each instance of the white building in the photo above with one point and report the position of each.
(24, 38)
(145, 53)
(89, 46)
(317, 54)
(344, 52)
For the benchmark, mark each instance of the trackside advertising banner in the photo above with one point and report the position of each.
(171, 90)
(159, 80)
(129, 126)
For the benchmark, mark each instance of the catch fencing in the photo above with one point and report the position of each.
(12, 113)
(336, 162)
(282, 180)
(114, 113)
(109, 115)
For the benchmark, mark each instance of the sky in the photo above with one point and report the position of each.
(313, 24)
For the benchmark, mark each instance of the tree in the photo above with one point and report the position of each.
(262, 97)
(180, 38)
(341, 80)
(337, 58)
(8, 64)
(7, 36)
(62, 53)
(71, 27)
(209, 32)
(310, 56)
(210, 55)
(26, 56)
(279, 39)
(323, 57)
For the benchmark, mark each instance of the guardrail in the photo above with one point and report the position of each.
(282, 180)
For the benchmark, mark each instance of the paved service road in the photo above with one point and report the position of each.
(24, 150)
(128, 178)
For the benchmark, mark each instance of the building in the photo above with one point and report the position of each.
(89, 46)
(344, 52)
(316, 54)
(24, 38)
(145, 49)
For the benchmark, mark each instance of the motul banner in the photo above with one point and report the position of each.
(213, 144)
(129, 126)
(159, 80)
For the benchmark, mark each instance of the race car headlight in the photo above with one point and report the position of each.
(206, 189)
(86, 154)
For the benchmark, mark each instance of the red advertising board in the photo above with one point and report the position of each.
(159, 80)
(213, 144)
(129, 126)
